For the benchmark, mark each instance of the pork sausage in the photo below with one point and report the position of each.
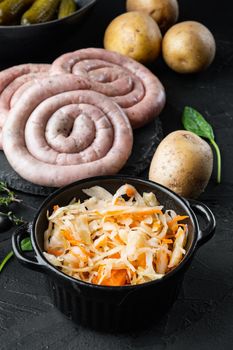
(126, 81)
(11, 80)
(60, 131)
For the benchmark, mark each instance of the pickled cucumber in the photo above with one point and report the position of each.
(10, 10)
(40, 11)
(67, 7)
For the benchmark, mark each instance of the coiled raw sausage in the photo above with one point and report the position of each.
(60, 131)
(126, 81)
(11, 79)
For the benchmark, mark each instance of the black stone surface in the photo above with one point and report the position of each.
(202, 317)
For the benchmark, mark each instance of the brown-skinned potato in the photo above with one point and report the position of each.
(188, 47)
(134, 34)
(164, 12)
(182, 162)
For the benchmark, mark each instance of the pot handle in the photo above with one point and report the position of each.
(201, 209)
(20, 233)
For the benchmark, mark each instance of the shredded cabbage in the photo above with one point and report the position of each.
(115, 240)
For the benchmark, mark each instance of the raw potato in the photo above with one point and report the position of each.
(134, 34)
(182, 162)
(188, 47)
(164, 12)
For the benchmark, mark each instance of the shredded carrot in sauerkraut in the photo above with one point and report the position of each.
(115, 240)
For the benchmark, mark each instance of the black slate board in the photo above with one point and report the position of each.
(146, 140)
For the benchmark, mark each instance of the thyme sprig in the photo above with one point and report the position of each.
(6, 195)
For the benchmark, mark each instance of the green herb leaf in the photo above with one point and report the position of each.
(7, 196)
(193, 121)
(15, 219)
(26, 246)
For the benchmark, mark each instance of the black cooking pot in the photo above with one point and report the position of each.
(33, 42)
(114, 308)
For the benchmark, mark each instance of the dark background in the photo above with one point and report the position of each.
(202, 317)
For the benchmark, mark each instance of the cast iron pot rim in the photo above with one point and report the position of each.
(48, 23)
(154, 185)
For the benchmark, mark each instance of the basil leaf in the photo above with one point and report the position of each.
(194, 121)
(26, 244)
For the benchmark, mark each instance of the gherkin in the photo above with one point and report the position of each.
(67, 7)
(11, 10)
(41, 11)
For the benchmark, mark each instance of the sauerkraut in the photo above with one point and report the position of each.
(115, 240)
